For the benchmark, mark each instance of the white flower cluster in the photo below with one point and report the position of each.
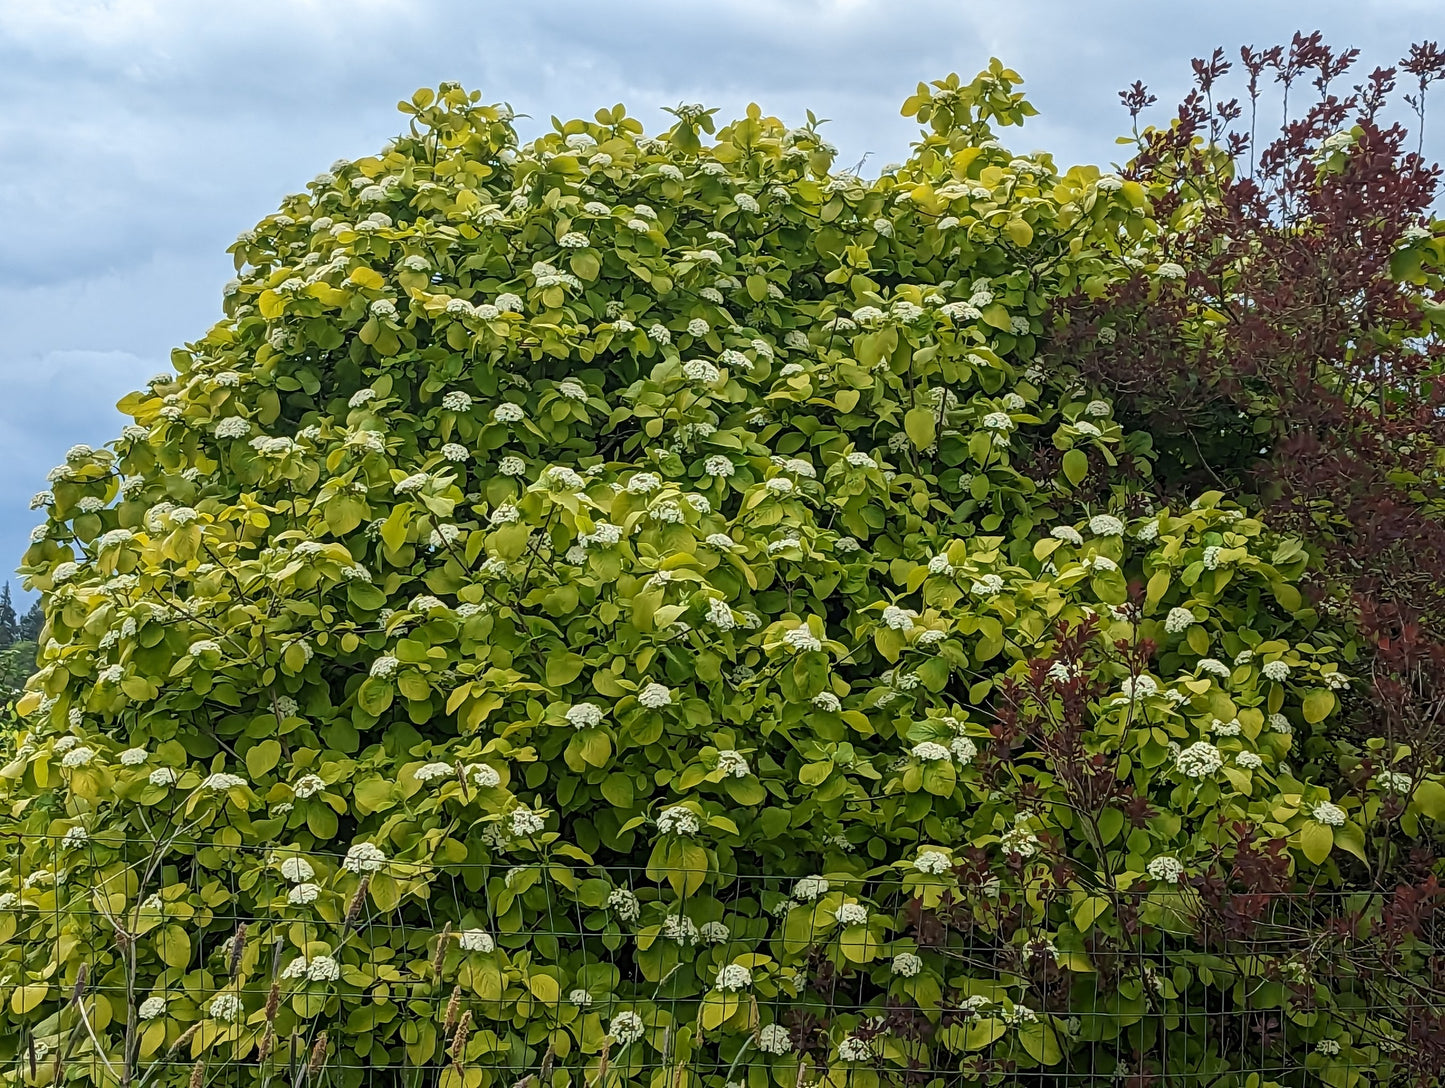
(1106, 525)
(775, 1039)
(74, 756)
(1199, 760)
(853, 1049)
(308, 785)
(930, 752)
(297, 869)
(655, 696)
(626, 1028)
(1020, 841)
(898, 619)
(315, 969)
(584, 716)
(1178, 620)
(525, 821)
(810, 888)
(475, 940)
(907, 964)
(624, 904)
(731, 763)
(732, 977)
(1167, 869)
(363, 857)
(677, 821)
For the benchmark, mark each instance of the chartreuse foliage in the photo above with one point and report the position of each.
(632, 514)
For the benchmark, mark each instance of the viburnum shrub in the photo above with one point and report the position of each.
(624, 607)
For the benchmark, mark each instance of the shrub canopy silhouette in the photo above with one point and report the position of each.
(552, 540)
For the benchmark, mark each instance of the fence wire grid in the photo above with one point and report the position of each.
(1185, 1004)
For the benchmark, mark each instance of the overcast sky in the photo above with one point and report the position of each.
(137, 137)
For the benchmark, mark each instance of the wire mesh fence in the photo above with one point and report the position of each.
(205, 963)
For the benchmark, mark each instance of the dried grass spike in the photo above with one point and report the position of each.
(459, 1040)
(238, 948)
(358, 901)
(318, 1056)
(441, 953)
(185, 1037)
(450, 1020)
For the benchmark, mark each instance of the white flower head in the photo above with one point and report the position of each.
(627, 1028)
(732, 764)
(932, 862)
(655, 696)
(77, 757)
(303, 895)
(677, 821)
(1199, 760)
(851, 914)
(526, 822)
(810, 888)
(1178, 620)
(898, 619)
(363, 857)
(853, 1049)
(308, 785)
(297, 869)
(1394, 781)
(1106, 525)
(930, 752)
(679, 928)
(732, 977)
(429, 772)
(1021, 841)
(907, 964)
(775, 1039)
(1167, 869)
(225, 1006)
(1329, 814)
(624, 904)
(484, 776)
(713, 933)
(475, 940)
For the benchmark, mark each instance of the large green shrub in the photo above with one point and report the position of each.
(636, 591)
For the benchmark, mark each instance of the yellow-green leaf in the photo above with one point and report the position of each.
(1316, 840)
(918, 423)
(1076, 466)
(1317, 705)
